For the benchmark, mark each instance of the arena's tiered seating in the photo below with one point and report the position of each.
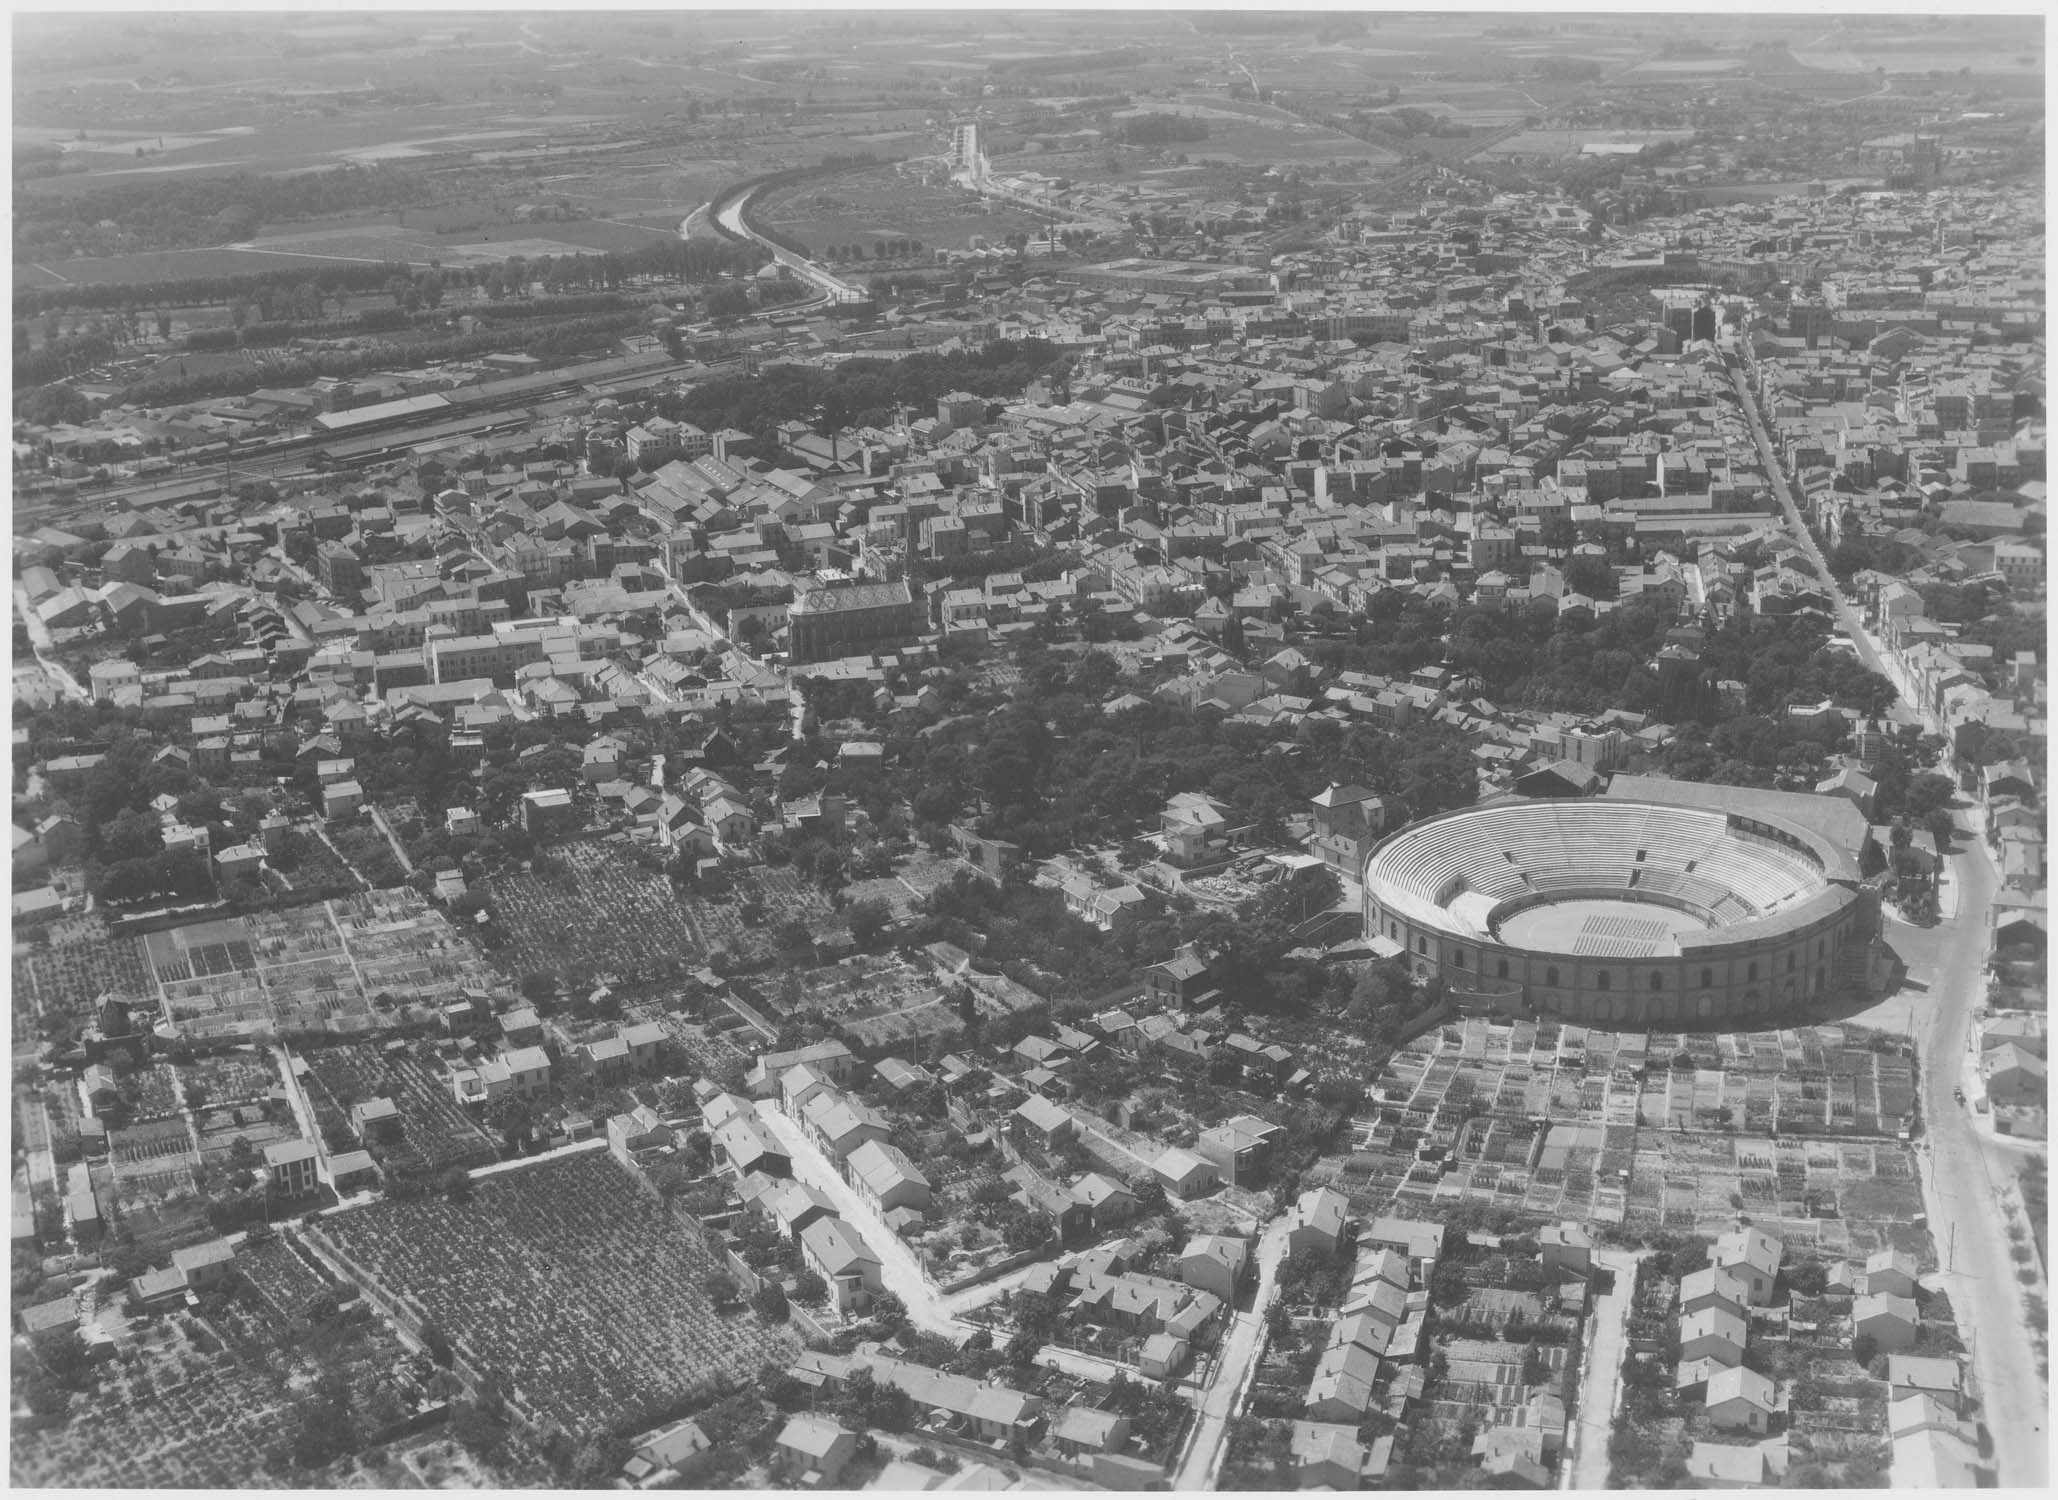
(1677, 838)
(1685, 854)
(1758, 873)
(1680, 886)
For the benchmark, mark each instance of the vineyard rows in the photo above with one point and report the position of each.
(435, 1130)
(588, 1294)
(601, 914)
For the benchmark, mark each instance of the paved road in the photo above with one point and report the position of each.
(1234, 1366)
(1966, 1180)
(831, 288)
(514, 1163)
(1600, 1379)
(898, 1267)
(1847, 616)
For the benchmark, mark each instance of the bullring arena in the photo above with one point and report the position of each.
(1624, 912)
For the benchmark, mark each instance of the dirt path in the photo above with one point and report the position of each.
(1096, 1128)
(1600, 1376)
(379, 821)
(323, 834)
(1234, 1367)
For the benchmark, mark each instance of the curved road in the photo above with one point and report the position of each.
(728, 215)
(1965, 1182)
(1965, 1178)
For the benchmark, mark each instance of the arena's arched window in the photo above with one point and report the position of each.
(1458, 957)
(1501, 968)
(1550, 976)
(1422, 945)
(1707, 979)
(1751, 972)
(1605, 980)
(1790, 963)
(1657, 980)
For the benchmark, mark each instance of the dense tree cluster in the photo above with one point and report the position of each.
(1575, 665)
(1051, 770)
(84, 326)
(556, 339)
(1986, 617)
(859, 391)
(666, 258)
(1854, 554)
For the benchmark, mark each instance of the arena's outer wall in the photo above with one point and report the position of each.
(1748, 974)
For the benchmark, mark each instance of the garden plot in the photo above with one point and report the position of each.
(752, 936)
(1660, 1131)
(599, 912)
(152, 1164)
(566, 1276)
(83, 962)
(883, 1002)
(707, 1054)
(436, 1133)
(400, 946)
(151, 1093)
(174, 1418)
(220, 1129)
(914, 878)
(229, 1078)
(322, 968)
(897, 898)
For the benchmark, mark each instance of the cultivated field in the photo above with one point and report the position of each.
(568, 1278)
(436, 1133)
(707, 1052)
(485, 244)
(164, 265)
(82, 961)
(597, 912)
(177, 1418)
(600, 912)
(206, 1401)
(338, 967)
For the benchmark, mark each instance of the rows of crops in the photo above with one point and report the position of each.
(585, 1292)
